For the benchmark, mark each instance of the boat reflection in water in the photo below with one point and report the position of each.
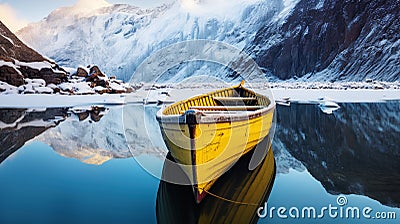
(234, 198)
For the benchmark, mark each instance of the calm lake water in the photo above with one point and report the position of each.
(73, 165)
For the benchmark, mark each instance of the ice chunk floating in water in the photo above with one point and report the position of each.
(328, 106)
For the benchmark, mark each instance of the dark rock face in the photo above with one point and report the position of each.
(15, 48)
(14, 51)
(352, 151)
(11, 76)
(16, 130)
(336, 40)
(49, 75)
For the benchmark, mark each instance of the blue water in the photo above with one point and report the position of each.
(38, 185)
(300, 190)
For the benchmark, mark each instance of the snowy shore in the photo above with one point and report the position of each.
(176, 93)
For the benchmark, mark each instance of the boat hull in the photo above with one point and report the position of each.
(205, 151)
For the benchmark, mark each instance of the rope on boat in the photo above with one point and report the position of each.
(228, 200)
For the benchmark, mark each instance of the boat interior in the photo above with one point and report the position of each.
(229, 100)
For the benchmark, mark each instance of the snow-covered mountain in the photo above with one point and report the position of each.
(120, 37)
(327, 40)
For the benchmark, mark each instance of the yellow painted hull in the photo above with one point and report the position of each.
(209, 146)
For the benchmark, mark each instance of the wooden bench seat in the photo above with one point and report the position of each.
(234, 98)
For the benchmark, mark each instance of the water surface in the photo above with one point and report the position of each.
(73, 165)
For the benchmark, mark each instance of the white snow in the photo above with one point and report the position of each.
(55, 100)
(288, 6)
(52, 86)
(27, 89)
(35, 82)
(82, 88)
(116, 86)
(35, 65)
(65, 86)
(32, 86)
(99, 88)
(44, 90)
(219, 9)
(179, 92)
(6, 89)
(10, 64)
(337, 95)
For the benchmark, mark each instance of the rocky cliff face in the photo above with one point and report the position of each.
(18, 61)
(333, 40)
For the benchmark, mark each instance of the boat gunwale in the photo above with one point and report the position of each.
(215, 118)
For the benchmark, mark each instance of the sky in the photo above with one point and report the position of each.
(15, 14)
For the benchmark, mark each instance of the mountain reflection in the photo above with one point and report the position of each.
(17, 126)
(355, 150)
(234, 198)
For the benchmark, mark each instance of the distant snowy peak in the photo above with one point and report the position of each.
(216, 8)
(81, 8)
(71, 14)
(91, 4)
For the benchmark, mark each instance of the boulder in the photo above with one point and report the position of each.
(95, 71)
(81, 72)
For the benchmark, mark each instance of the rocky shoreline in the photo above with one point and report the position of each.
(84, 81)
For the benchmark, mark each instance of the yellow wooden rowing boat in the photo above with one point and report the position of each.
(207, 134)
